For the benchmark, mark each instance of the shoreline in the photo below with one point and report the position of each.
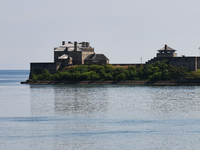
(180, 82)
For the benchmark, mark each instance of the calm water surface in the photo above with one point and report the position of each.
(58, 117)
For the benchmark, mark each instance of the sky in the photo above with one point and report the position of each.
(124, 30)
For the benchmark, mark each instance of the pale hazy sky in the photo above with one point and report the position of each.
(123, 30)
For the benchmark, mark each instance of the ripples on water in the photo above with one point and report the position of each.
(97, 116)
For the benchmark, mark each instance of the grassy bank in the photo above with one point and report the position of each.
(194, 74)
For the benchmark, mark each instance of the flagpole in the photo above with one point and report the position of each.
(199, 51)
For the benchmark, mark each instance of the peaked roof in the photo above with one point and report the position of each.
(96, 57)
(166, 48)
(64, 56)
(60, 48)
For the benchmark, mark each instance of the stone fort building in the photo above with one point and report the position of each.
(71, 54)
(82, 53)
(168, 53)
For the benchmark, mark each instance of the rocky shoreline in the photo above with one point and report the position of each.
(179, 82)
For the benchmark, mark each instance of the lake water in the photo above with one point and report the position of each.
(98, 117)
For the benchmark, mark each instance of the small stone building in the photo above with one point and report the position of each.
(166, 52)
(98, 59)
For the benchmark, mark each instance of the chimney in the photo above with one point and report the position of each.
(87, 44)
(83, 44)
(63, 42)
(165, 48)
(75, 46)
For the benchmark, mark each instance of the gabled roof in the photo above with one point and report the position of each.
(60, 48)
(96, 57)
(166, 48)
(64, 56)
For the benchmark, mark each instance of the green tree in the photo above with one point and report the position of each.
(131, 73)
(118, 71)
(34, 77)
(75, 76)
(46, 75)
(156, 76)
(121, 77)
(85, 76)
(108, 76)
(94, 75)
(65, 76)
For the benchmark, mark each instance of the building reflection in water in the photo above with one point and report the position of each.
(175, 100)
(68, 99)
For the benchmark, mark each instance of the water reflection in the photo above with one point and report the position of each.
(175, 100)
(80, 99)
(62, 100)
(120, 117)
(137, 101)
(42, 100)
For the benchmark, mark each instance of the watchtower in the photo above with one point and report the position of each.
(166, 51)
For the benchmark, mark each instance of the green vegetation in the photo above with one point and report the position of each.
(194, 74)
(153, 72)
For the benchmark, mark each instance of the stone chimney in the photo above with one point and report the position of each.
(165, 48)
(87, 44)
(83, 44)
(75, 46)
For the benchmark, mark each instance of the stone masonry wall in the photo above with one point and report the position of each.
(198, 62)
(189, 62)
(41, 66)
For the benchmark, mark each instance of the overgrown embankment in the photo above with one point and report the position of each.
(194, 74)
(153, 72)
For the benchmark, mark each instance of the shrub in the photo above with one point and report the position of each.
(75, 76)
(45, 74)
(65, 76)
(85, 76)
(140, 72)
(34, 77)
(94, 75)
(118, 71)
(121, 77)
(161, 70)
(165, 75)
(108, 76)
(109, 69)
(156, 76)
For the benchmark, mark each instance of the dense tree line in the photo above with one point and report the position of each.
(161, 70)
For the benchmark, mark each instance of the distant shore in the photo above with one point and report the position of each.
(180, 82)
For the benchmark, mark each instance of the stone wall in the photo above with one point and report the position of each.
(77, 57)
(86, 54)
(52, 67)
(166, 55)
(189, 62)
(198, 62)
(58, 54)
(95, 62)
